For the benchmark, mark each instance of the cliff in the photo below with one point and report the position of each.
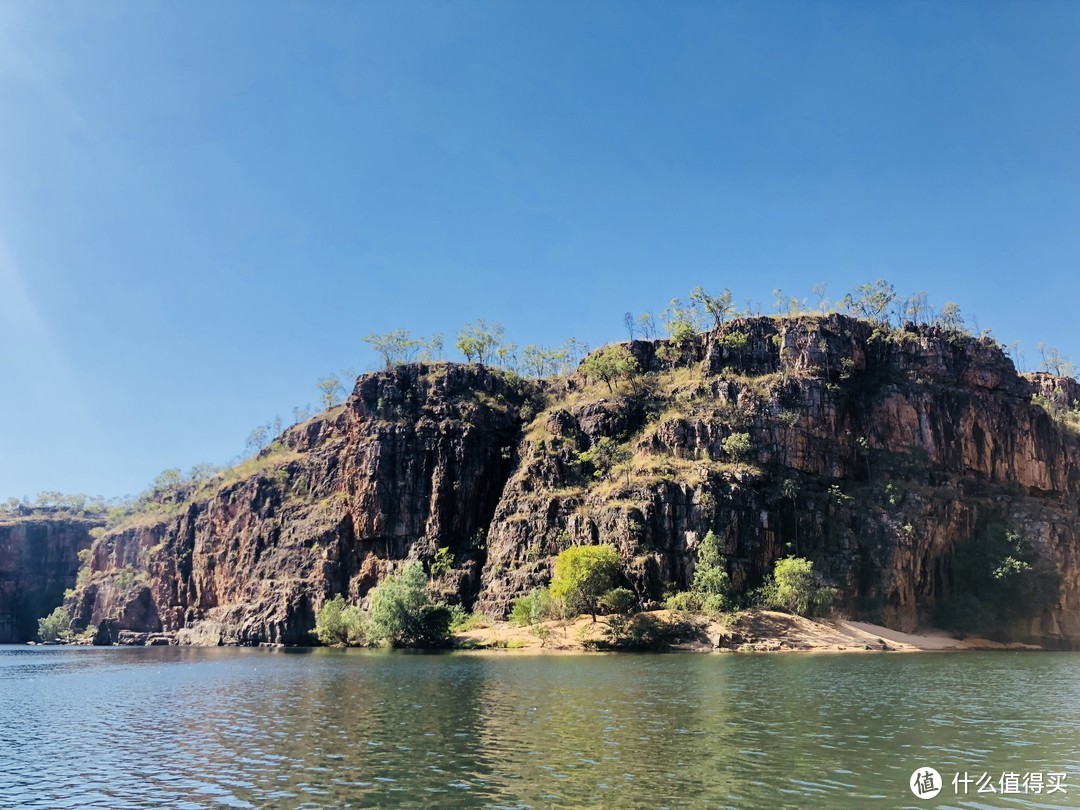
(39, 560)
(885, 456)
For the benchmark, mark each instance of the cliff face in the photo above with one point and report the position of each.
(39, 560)
(879, 455)
(415, 460)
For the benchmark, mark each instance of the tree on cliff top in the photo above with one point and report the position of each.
(480, 341)
(583, 574)
(610, 364)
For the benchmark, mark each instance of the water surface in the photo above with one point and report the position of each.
(211, 728)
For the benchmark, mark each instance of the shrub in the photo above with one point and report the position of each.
(341, 625)
(711, 579)
(648, 632)
(618, 601)
(402, 614)
(792, 587)
(582, 575)
(55, 627)
(531, 609)
(443, 562)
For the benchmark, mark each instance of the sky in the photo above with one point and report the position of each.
(205, 206)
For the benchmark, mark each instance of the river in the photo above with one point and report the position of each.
(258, 728)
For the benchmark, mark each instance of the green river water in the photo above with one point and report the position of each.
(211, 728)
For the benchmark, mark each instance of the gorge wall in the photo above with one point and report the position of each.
(39, 560)
(880, 454)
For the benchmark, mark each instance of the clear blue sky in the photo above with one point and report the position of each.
(204, 206)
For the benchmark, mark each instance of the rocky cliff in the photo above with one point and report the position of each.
(883, 455)
(39, 560)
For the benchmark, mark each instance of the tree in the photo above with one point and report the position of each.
(710, 574)
(605, 455)
(682, 323)
(630, 323)
(168, 479)
(871, 301)
(479, 341)
(647, 325)
(721, 307)
(330, 389)
(1054, 362)
(257, 439)
(737, 446)
(793, 588)
(55, 627)
(582, 575)
(950, 317)
(394, 347)
(341, 625)
(610, 364)
(201, 473)
(402, 613)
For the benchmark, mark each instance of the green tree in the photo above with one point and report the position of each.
(395, 347)
(950, 317)
(531, 609)
(605, 455)
(330, 390)
(871, 301)
(402, 613)
(682, 323)
(710, 574)
(480, 341)
(582, 575)
(610, 364)
(55, 627)
(167, 480)
(442, 562)
(737, 446)
(720, 307)
(792, 587)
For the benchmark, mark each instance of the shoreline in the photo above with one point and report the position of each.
(749, 631)
(752, 631)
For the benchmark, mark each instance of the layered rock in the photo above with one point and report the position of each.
(39, 560)
(415, 460)
(877, 453)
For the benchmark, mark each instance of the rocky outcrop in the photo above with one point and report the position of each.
(878, 453)
(414, 461)
(39, 560)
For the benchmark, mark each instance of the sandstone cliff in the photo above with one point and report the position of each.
(880, 454)
(39, 560)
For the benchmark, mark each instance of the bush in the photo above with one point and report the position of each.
(341, 625)
(55, 627)
(582, 575)
(531, 609)
(402, 614)
(648, 632)
(443, 562)
(792, 587)
(694, 602)
(618, 601)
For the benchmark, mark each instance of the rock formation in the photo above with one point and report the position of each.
(877, 453)
(39, 560)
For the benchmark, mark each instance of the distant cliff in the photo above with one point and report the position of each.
(39, 560)
(883, 455)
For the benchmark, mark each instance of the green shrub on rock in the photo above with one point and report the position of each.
(55, 627)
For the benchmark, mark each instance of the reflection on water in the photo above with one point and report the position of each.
(211, 728)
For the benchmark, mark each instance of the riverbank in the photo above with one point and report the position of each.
(750, 631)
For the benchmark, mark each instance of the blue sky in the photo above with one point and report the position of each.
(205, 206)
